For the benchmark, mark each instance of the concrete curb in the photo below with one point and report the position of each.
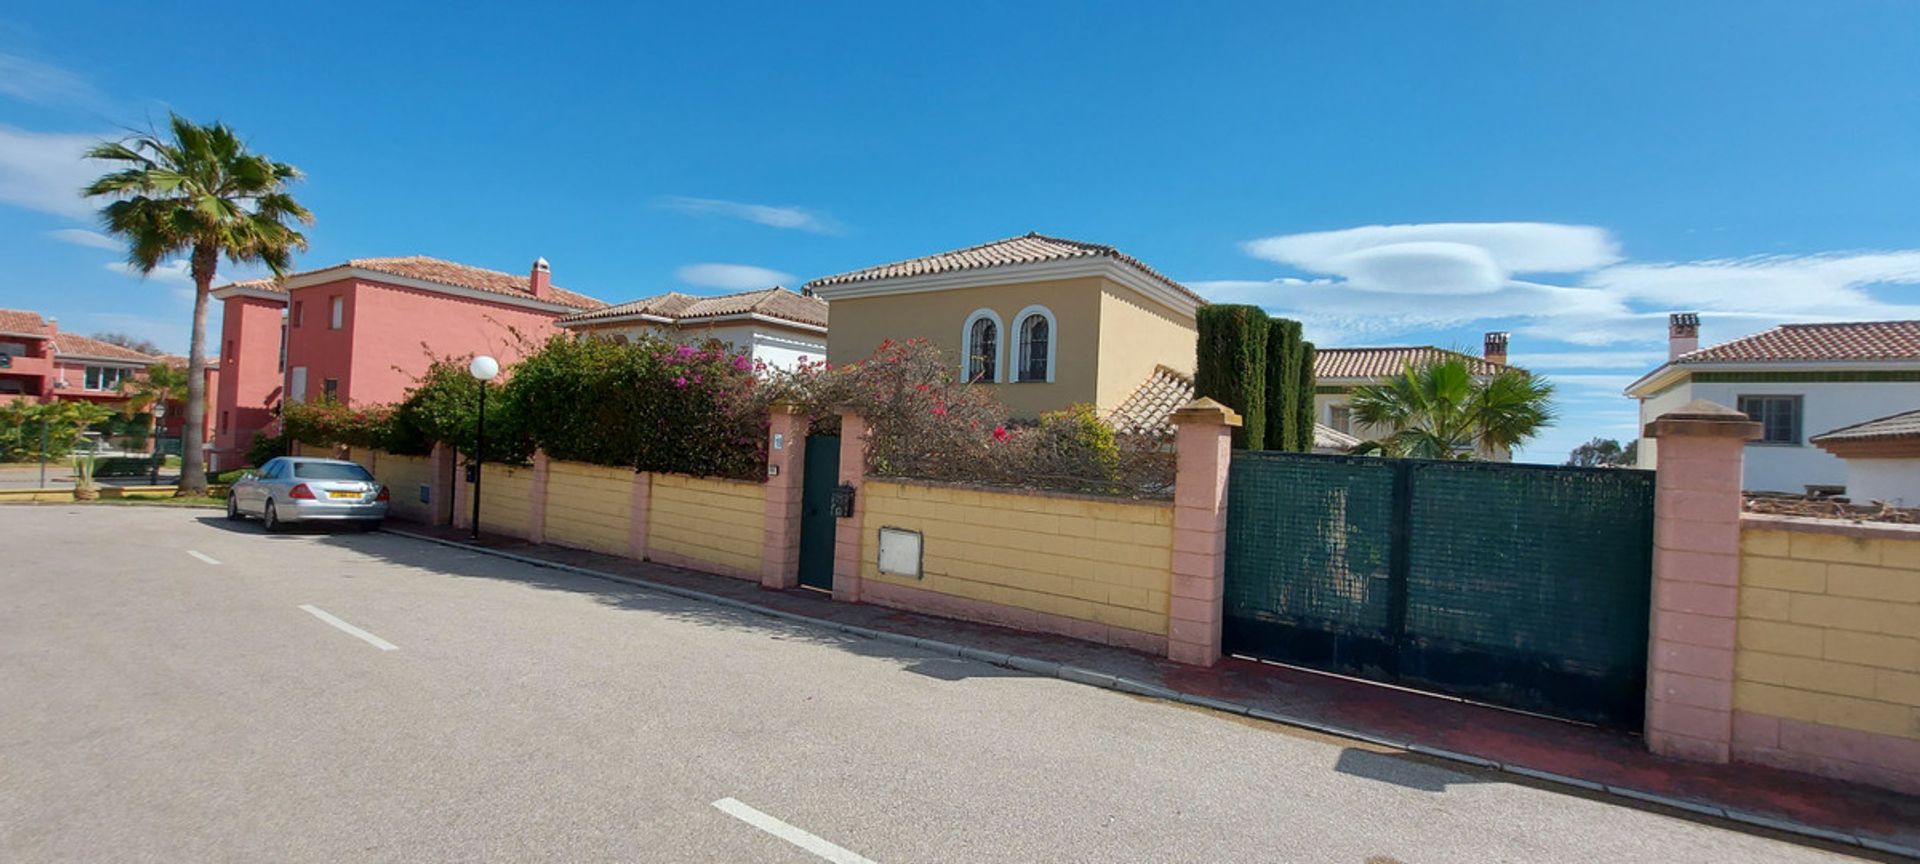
(1078, 675)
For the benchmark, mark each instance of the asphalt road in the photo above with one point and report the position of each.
(158, 706)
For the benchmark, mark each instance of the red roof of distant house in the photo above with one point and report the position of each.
(27, 323)
(1382, 362)
(1854, 340)
(444, 272)
(1027, 249)
(73, 345)
(775, 302)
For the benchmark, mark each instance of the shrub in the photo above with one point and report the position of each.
(328, 422)
(1282, 382)
(443, 405)
(1304, 390)
(1231, 366)
(652, 405)
(265, 447)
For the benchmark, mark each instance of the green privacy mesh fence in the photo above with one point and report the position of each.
(1520, 585)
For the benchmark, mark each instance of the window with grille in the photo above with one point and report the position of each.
(1340, 418)
(983, 340)
(1778, 416)
(1036, 334)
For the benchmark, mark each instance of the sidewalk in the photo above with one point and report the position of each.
(1592, 759)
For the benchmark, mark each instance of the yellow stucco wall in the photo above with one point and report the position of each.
(1102, 561)
(1829, 628)
(861, 324)
(505, 499)
(588, 506)
(403, 476)
(1137, 334)
(701, 519)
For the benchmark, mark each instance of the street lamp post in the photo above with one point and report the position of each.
(159, 454)
(483, 368)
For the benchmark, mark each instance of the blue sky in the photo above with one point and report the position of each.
(1391, 173)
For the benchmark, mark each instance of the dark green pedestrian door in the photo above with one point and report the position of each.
(816, 511)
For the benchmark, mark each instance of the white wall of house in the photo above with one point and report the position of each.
(1894, 481)
(1825, 406)
(778, 348)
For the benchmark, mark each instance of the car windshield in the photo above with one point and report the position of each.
(329, 471)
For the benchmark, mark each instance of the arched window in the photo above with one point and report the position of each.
(1034, 362)
(980, 360)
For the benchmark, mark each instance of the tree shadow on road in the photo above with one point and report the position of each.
(653, 599)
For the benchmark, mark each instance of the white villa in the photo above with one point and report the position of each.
(775, 325)
(1798, 380)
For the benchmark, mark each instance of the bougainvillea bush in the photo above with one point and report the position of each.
(927, 424)
(652, 405)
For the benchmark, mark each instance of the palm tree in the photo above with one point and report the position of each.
(163, 384)
(1437, 410)
(200, 192)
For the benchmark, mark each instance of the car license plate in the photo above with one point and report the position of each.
(339, 494)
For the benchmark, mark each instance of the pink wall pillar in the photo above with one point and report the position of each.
(1696, 580)
(1194, 611)
(786, 458)
(637, 522)
(441, 483)
(537, 500)
(846, 536)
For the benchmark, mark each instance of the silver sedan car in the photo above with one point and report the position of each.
(297, 489)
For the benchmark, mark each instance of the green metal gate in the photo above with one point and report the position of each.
(817, 525)
(1519, 585)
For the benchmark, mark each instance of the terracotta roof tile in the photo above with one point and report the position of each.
(1855, 340)
(464, 276)
(1027, 249)
(1149, 409)
(74, 345)
(1153, 402)
(1903, 425)
(773, 302)
(1382, 362)
(18, 321)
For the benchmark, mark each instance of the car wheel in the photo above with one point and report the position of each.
(233, 507)
(269, 519)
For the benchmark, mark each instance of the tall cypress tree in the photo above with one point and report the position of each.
(1230, 366)
(1283, 379)
(1303, 392)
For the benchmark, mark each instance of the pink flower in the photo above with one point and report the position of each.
(680, 383)
(684, 351)
(741, 363)
(803, 358)
(940, 410)
(1000, 434)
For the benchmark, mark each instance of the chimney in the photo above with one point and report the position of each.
(1683, 333)
(53, 326)
(542, 279)
(1495, 347)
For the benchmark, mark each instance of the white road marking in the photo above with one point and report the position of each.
(782, 830)
(203, 557)
(369, 638)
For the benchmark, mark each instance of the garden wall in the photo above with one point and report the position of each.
(1827, 668)
(404, 477)
(590, 506)
(1090, 568)
(506, 499)
(704, 523)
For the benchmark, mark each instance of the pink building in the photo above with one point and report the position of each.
(40, 363)
(361, 333)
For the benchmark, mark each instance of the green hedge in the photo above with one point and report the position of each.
(1282, 379)
(1230, 366)
(1304, 392)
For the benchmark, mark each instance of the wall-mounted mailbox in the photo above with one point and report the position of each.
(842, 501)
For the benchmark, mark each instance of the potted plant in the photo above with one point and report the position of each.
(83, 488)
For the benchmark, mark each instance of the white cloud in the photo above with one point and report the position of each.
(45, 171)
(33, 81)
(1458, 248)
(83, 237)
(1382, 280)
(791, 218)
(732, 277)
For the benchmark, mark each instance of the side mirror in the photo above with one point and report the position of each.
(247, 476)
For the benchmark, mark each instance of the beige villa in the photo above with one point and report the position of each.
(1047, 322)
